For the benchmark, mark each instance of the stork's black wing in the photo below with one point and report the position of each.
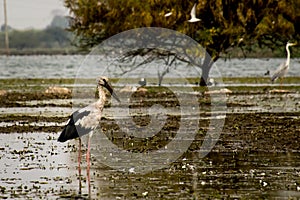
(73, 129)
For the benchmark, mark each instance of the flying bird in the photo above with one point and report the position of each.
(193, 15)
(168, 14)
(86, 120)
(284, 67)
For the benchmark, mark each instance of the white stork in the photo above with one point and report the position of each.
(86, 120)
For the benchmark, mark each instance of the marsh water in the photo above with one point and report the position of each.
(255, 157)
(60, 66)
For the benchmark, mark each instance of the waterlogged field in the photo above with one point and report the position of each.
(256, 155)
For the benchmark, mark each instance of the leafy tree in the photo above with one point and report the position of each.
(224, 23)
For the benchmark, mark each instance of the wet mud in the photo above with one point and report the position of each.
(256, 155)
(258, 130)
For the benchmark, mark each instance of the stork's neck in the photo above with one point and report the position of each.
(102, 97)
(288, 55)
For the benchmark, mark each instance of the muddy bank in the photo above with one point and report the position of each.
(267, 132)
(255, 157)
(263, 132)
(275, 132)
(29, 124)
(15, 99)
(252, 121)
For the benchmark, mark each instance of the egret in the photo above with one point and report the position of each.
(86, 120)
(193, 15)
(284, 67)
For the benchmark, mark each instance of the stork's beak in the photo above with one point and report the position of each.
(116, 97)
(110, 89)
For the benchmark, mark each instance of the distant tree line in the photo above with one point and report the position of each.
(53, 36)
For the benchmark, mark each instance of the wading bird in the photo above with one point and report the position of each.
(86, 120)
(284, 67)
(193, 15)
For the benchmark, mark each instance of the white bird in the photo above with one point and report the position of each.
(193, 15)
(143, 82)
(284, 67)
(168, 14)
(86, 120)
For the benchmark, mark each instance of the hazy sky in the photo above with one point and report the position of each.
(24, 14)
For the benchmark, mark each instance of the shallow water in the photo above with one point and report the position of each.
(67, 66)
(34, 165)
(272, 103)
(220, 175)
(41, 111)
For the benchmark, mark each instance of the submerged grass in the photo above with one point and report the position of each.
(16, 84)
(41, 84)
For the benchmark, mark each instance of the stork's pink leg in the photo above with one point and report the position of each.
(88, 160)
(79, 167)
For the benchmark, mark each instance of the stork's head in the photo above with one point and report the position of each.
(104, 82)
(289, 44)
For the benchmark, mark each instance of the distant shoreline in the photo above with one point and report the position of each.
(234, 53)
(28, 52)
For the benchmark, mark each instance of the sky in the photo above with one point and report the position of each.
(26, 14)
